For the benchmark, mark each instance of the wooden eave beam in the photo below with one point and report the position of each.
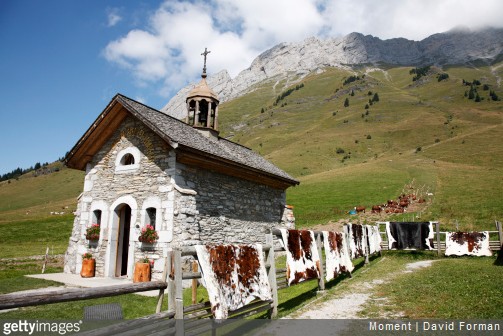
(94, 138)
(188, 156)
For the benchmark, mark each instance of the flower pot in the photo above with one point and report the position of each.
(93, 243)
(88, 266)
(141, 272)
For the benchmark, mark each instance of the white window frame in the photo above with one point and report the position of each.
(121, 168)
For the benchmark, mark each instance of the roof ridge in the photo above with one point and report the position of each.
(178, 120)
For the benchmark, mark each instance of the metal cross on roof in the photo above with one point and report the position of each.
(205, 53)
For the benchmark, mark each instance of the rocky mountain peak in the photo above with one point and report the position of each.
(457, 46)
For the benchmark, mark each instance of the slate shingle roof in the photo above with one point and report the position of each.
(176, 131)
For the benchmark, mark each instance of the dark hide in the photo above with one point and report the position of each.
(499, 260)
(409, 235)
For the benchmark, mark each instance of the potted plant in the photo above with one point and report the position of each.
(148, 235)
(142, 270)
(93, 232)
(88, 265)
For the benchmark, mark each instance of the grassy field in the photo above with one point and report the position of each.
(32, 237)
(452, 288)
(424, 133)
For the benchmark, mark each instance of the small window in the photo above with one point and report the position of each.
(96, 217)
(151, 216)
(127, 160)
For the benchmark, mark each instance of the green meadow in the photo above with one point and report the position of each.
(424, 133)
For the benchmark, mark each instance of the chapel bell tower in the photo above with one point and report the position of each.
(202, 105)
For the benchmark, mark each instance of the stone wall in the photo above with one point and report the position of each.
(194, 206)
(225, 209)
(108, 184)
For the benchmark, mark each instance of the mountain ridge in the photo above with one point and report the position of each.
(457, 46)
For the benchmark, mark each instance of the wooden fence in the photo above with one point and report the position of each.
(439, 237)
(194, 318)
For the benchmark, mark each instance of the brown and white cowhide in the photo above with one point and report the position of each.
(467, 243)
(302, 258)
(336, 254)
(356, 237)
(234, 275)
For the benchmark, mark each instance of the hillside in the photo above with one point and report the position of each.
(425, 131)
(35, 196)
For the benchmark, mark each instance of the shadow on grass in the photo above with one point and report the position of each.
(411, 254)
(297, 301)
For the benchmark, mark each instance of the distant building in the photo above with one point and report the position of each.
(145, 167)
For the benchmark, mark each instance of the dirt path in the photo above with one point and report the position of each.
(351, 304)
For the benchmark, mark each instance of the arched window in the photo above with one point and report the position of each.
(96, 217)
(151, 216)
(203, 113)
(127, 159)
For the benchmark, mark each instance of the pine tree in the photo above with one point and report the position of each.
(346, 102)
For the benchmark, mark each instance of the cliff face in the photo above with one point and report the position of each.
(453, 47)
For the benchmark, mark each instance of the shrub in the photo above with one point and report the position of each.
(369, 137)
(442, 77)
(350, 79)
(339, 150)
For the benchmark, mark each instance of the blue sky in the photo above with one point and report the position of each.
(62, 61)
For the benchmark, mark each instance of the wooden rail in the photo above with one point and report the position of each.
(16, 300)
(282, 281)
(439, 244)
(196, 316)
(178, 318)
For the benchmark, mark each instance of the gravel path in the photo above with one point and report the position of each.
(351, 304)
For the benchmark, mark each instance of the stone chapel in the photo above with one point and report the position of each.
(144, 167)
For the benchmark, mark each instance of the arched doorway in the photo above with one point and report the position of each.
(123, 213)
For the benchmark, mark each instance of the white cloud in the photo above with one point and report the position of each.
(113, 17)
(167, 51)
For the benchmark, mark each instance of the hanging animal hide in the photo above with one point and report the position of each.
(234, 276)
(410, 235)
(302, 259)
(336, 254)
(467, 243)
(357, 240)
(373, 238)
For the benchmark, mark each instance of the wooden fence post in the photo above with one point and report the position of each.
(439, 249)
(45, 259)
(500, 232)
(178, 293)
(160, 298)
(367, 244)
(194, 283)
(321, 281)
(270, 260)
(171, 282)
